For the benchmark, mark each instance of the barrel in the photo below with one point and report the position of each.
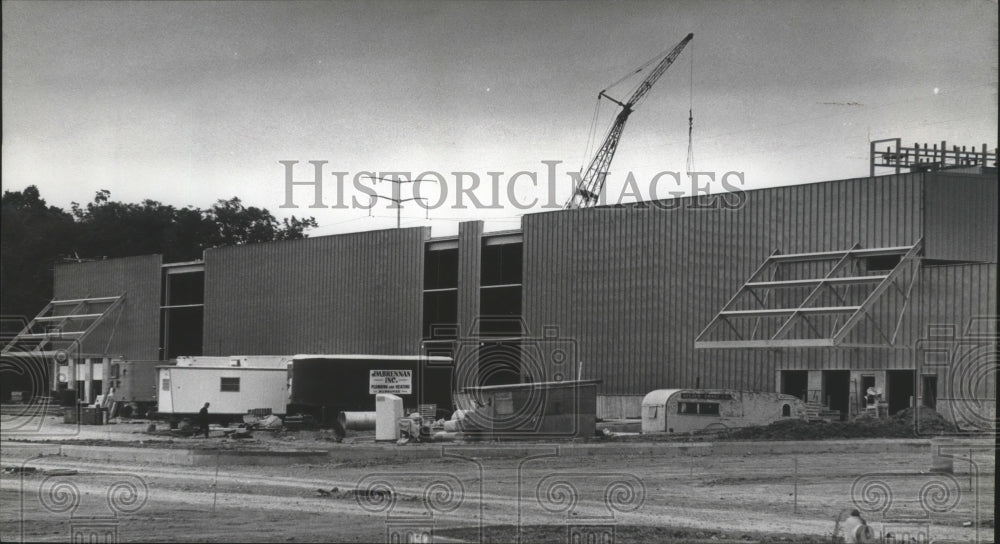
(357, 421)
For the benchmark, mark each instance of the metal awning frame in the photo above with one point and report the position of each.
(760, 290)
(55, 324)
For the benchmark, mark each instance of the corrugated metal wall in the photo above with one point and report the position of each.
(134, 330)
(634, 287)
(470, 254)
(960, 213)
(959, 300)
(352, 293)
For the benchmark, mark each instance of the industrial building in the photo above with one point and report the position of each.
(819, 290)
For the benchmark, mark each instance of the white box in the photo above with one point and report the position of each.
(388, 411)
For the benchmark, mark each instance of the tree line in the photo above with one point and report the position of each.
(35, 236)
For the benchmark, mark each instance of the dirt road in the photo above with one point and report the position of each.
(494, 493)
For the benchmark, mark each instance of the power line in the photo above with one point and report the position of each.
(398, 201)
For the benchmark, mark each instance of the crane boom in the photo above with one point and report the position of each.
(588, 190)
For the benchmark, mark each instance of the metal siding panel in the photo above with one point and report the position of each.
(334, 294)
(620, 302)
(961, 217)
(132, 332)
(470, 274)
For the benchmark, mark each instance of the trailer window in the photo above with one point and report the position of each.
(708, 408)
(698, 408)
(229, 384)
(165, 384)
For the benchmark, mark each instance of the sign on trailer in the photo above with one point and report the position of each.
(396, 382)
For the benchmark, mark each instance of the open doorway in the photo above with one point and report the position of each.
(867, 382)
(837, 391)
(795, 382)
(899, 388)
(929, 391)
(499, 363)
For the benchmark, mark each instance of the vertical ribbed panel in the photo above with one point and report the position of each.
(960, 214)
(133, 330)
(352, 293)
(634, 287)
(952, 298)
(470, 249)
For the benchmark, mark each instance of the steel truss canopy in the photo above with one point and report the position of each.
(62, 324)
(850, 298)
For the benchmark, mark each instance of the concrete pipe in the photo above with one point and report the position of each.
(357, 421)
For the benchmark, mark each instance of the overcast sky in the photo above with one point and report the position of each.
(190, 102)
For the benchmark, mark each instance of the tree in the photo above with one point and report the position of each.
(237, 224)
(33, 237)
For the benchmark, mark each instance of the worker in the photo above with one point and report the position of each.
(871, 396)
(857, 530)
(203, 419)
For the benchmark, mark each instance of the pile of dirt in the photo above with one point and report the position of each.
(797, 429)
(928, 420)
(900, 425)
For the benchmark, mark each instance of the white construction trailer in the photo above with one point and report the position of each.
(692, 410)
(234, 386)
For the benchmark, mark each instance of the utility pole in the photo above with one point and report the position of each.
(396, 194)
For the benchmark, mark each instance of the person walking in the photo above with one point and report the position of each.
(856, 529)
(203, 419)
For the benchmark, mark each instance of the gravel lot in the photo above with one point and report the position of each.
(490, 492)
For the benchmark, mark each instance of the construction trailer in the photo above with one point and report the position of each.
(132, 384)
(325, 385)
(235, 386)
(563, 409)
(693, 410)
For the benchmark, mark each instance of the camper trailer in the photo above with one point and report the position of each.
(234, 386)
(692, 410)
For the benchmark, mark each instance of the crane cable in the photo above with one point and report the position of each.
(591, 135)
(690, 155)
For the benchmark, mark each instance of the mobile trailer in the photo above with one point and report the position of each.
(234, 386)
(325, 385)
(692, 410)
(133, 384)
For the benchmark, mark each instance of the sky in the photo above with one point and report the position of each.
(187, 103)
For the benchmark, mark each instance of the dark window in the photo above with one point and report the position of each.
(500, 308)
(499, 363)
(883, 262)
(114, 370)
(229, 384)
(184, 329)
(502, 264)
(186, 288)
(441, 268)
(698, 408)
(786, 410)
(440, 314)
(708, 408)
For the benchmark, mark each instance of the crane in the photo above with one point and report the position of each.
(588, 190)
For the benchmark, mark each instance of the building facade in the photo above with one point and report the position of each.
(628, 295)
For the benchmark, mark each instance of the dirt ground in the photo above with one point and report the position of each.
(492, 493)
